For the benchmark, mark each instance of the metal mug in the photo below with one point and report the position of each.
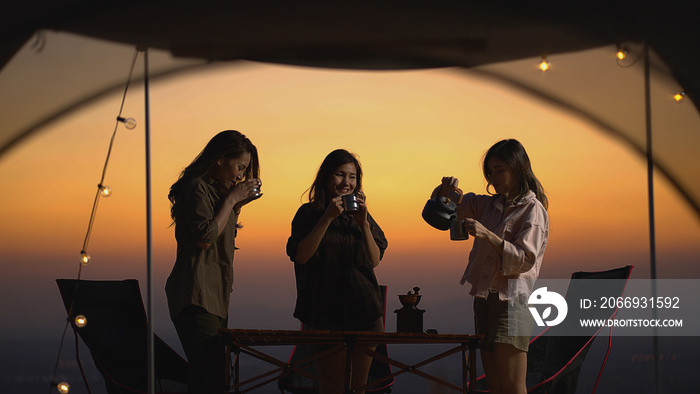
(458, 230)
(256, 192)
(350, 203)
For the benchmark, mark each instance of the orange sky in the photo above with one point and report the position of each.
(409, 129)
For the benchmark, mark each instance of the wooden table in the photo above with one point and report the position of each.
(244, 341)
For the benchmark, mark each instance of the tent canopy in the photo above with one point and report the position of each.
(40, 37)
(365, 34)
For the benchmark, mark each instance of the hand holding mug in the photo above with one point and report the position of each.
(476, 229)
(360, 214)
(334, 208)
(246, 191)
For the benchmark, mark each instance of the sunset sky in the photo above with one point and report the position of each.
(409, 128)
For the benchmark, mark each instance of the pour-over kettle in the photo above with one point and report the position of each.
(439, 211)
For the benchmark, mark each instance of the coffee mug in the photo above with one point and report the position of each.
(350, 203)
(256, 192)
(458, 231)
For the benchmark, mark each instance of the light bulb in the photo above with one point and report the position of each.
(679, 96)
(544, 64)
(84, 257)
(621, 54)
(129, 123)
(63, 387)
(80, 321)
(105, 190)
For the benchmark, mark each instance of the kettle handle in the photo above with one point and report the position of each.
(456, 189)
(461, 194)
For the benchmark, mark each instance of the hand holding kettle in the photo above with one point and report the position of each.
(440, 210)
(449, 188)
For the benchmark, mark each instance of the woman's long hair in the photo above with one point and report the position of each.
(513, 153)
(228, 144)
(318, 192)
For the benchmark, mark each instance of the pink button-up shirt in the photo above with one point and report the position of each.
(524, 227)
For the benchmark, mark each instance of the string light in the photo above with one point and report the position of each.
(84, 257)
(105, 190)
(544, 64)
(680, 96)
(62, 387)
(129, 123)
(80, 321)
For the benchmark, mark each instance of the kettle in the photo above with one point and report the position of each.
(439, 211)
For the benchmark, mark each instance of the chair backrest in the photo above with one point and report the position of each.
(116, 336)
(554, 360)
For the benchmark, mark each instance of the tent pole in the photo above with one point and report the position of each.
(652, 226)
(149, 227)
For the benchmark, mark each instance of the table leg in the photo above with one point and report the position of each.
(227, 369)
(472, 366)
(349, 346)
(465, 367)
(232, 366)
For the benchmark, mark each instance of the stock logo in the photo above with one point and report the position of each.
(553, 299)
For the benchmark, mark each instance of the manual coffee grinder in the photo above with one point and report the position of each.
(409, 318)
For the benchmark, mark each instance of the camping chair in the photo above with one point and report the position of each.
(297, 384)
(554, 361)
(115, 334)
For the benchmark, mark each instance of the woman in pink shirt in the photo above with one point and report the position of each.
(510, 228)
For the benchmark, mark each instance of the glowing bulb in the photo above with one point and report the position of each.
(544, 64)
(105, 190)
(129, 123)
(84, 258)
(679, 96)
(80, 321)
(621, 53)
(63, 387)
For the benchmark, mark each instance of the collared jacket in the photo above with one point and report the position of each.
(524, 228)
(201, 277)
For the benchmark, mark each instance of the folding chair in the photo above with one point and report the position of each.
(554, 361)
(115, 334)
